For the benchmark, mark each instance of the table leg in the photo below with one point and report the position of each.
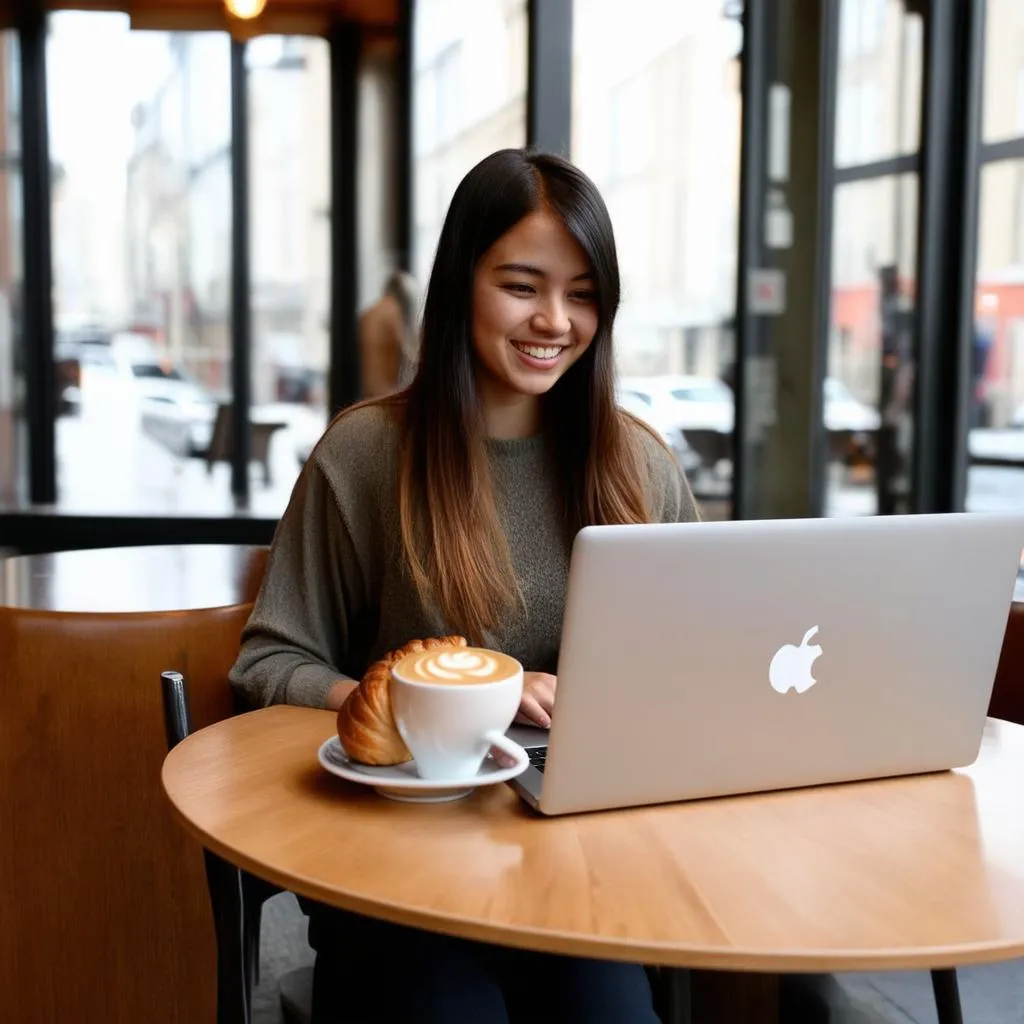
(720, 996)
(671, 987)
(947, 997)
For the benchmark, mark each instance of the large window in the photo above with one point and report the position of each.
(878, 91)
(996, 426)
(868, 390)
(12, 381)
(656, 124)
(1003, 63)
(141, 215)
(869, 381)
(142, 243)
(469, 95)
(290, 219)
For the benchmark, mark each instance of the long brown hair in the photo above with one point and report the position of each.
(455, 548)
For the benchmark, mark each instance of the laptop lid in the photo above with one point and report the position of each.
(706, 659)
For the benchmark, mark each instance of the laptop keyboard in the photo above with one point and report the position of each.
(538, 757)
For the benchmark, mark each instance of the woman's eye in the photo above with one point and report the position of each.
(518, 289)
(583, 296)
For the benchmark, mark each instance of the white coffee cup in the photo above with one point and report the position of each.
(451, 705)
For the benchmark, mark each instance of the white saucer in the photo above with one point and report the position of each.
(400, 781)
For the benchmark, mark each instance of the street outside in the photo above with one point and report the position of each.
(106, 464)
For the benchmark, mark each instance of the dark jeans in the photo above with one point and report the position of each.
(372, 972)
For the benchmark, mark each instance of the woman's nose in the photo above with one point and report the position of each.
(552, 319)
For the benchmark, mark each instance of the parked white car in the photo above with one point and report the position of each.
(844, 412)
(180, 416)
(688, 459)
(130, 377)
(686, 402)
(706, 403)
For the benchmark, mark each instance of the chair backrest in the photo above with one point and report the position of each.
(105, 913)
(1008, 692)
(710, 445)
(221, 438)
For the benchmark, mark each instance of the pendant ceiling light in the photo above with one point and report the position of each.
(245, 9)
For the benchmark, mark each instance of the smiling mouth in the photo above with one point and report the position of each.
(543, 352)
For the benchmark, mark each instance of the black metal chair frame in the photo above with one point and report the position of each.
(947, 996)
(236, 897)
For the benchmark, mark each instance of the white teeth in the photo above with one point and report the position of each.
(538, 351)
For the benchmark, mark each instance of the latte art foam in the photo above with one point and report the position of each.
(456, 666)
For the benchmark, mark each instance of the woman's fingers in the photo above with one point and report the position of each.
(533, 712)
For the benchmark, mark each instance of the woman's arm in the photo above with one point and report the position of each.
(297, 639)
(681, 506)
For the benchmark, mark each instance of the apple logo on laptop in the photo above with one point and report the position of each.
(791, 666)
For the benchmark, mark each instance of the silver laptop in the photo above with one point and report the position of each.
(707, 659)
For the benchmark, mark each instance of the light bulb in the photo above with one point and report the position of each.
(245, 9)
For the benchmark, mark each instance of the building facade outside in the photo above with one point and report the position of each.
(469, 99)
(179, 213)
(656, 125)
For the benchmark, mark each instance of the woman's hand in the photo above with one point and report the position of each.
(538, 699)
(338, 692)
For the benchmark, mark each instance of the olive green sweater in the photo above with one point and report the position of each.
(337, 594)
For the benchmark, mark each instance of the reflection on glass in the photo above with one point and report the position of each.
(469, 96)
(656, 124)
(867, 399)
(141, 214)
(289, 174)
(389, 298)
(878, 108)
(996, 436)
(12, 439)
(1003, 116)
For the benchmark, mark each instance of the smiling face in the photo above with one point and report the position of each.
(534, 314)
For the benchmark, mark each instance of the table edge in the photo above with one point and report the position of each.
(636, 951)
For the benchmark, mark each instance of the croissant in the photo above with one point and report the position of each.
(366, 727)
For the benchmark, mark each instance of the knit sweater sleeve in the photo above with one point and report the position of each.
(298, 640)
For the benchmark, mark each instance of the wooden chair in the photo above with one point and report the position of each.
(1008, 692)
(222, 441)
(711, 445)
(105, 913)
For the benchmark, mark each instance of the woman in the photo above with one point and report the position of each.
(451, 508)
(389, 338)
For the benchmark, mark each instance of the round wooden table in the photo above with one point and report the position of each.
(919, 872)
(150, 579)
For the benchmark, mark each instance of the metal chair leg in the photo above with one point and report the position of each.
(253, 916)
(234, 964)
(255, 892)
(236, 897)
(947, 997)
(676, 991)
